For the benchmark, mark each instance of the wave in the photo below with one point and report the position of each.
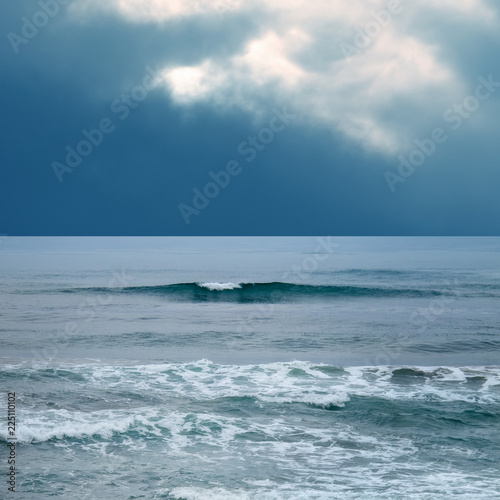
(301, 382)
(222, 396)
(65, 425)
(261, 292)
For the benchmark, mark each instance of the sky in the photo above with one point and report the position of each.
(263, 117)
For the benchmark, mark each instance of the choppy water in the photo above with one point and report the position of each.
(253, 368)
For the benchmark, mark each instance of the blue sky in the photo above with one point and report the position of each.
(159, 117)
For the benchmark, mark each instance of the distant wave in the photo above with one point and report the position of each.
(260, 292)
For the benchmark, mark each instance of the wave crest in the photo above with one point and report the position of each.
(219, 286)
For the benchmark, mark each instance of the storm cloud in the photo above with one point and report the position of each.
(118, 115)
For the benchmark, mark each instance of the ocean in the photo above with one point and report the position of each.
(250, 368)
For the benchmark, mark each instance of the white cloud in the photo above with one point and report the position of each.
(193, 83)
(297, 59)
(349, 11)
(146, 11)
(344, 96)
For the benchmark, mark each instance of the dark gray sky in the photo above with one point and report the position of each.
(250, 118)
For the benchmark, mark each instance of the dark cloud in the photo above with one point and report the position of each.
(308, 180)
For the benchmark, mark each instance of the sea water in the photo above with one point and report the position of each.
(252, 368)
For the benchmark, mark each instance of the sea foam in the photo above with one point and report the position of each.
(219, 286)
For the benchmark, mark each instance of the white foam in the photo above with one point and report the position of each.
(219, 286)
(317, 461)
(333, 455)
(300, 381)
(195, 493)
(60, 424)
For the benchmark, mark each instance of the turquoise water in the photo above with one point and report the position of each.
(249, 368)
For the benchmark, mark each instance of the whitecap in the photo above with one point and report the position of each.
(219, 286)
